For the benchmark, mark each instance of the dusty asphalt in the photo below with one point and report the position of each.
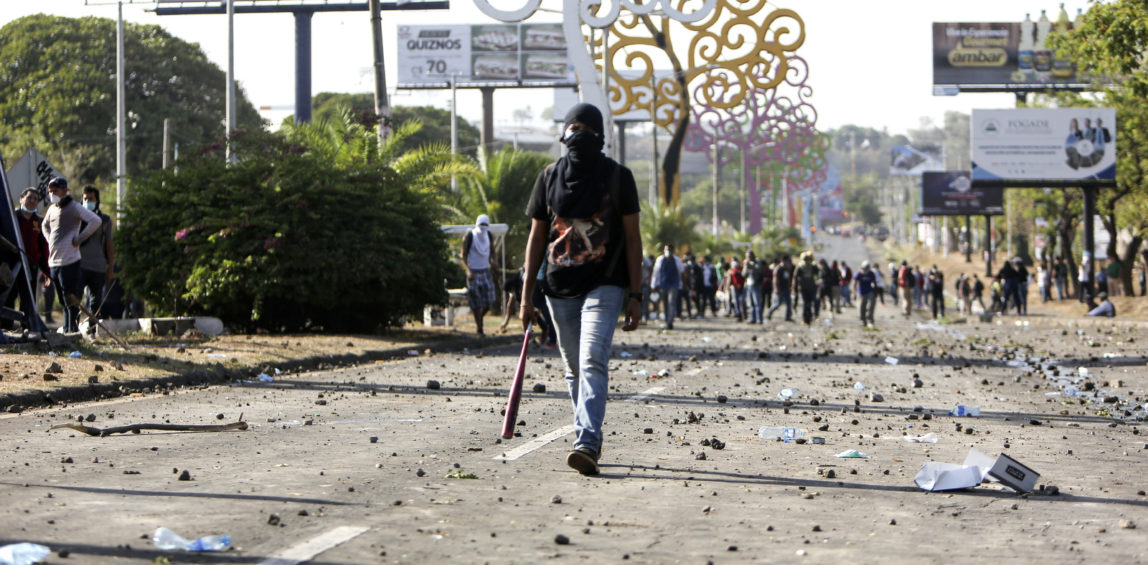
(370, 465)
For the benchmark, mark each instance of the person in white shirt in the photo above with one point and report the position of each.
(61, 228)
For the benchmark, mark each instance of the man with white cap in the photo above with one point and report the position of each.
(476, 252)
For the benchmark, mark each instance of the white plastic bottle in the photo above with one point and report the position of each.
(1042, 56)
(1025, 50)
(783, 433)
(167, 540)
(1062, 66)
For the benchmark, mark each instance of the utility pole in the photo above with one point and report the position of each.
(121, 118)
(714, 219)
(230, 77)
(382, 107)
(166, 142)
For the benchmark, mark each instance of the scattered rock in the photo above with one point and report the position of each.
(876, 397)
(561, 540)
(54, 367)
(48, 377)
(420, 473)
(93, 380)
(273, 520)
(1128, 524)
(556, 499)
(539, 387)
(433, 385)
(185, 475)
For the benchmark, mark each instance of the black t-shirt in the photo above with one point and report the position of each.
(585, 253)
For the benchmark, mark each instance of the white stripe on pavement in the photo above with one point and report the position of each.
(541, 441)
(535, 443)
(314, 546)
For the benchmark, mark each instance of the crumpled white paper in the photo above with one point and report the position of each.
(935, 477)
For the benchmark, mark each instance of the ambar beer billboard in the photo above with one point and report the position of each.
(1001, 56)
(1044, 147)
(951, 193)
(516, 54)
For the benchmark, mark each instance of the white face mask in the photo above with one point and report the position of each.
(90, 205)
(53, 198)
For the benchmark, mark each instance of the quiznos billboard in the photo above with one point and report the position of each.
(523, 53)
(1044, 147)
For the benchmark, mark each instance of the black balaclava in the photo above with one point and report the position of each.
(576, 185)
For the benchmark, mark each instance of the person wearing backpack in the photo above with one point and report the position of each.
(477, 246)
(584, 233)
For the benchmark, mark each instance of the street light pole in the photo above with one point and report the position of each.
(230, 103)
(714, 218)
(121, 144)
(654, 192)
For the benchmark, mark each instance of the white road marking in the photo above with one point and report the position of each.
(314, 546)
(541, 441)
(535, 443)
(646, 394)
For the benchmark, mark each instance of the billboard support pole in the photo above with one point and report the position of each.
(988, 246)
(1089, 236)
(303, 66)
(968, 239)
(487, 117)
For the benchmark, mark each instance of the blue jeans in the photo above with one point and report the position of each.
(783, 298)
(755, 302)
(669, 300)
(67, 281)
(585, 328)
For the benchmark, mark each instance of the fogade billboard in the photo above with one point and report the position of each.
(432, 55)
(1044, 147)
(951, 193)
(1002, 56)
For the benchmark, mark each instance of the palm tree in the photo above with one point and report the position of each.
(501, 189)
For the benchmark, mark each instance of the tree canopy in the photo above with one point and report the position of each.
(58, 93)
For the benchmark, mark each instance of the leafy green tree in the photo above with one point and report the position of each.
(58, 93)
(1110, 43)
(435, 121)
(285, 239)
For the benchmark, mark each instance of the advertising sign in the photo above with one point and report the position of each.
(1001, 57)
(1044, 147)
(951, 193)
(916, 159)
(521, 54)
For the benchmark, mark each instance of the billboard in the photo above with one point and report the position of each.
(1044, 147)
(916, 159)
(1002, 57)
(951, 193)
(498, 54)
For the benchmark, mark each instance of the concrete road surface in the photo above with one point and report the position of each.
(370, 465)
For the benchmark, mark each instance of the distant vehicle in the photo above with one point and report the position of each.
(846, 233)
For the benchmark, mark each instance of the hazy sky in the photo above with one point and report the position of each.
(870, 62)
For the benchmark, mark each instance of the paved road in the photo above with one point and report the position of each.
(366, 465)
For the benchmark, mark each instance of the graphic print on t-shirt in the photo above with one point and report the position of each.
(580, 241)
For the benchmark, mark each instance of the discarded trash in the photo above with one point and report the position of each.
(625, 355)
(75, 355)
(783, 433)
(961, 411)
(927, 438)
(278, 372)
(664, 373)
(859, 386)
(892, 360)
(413, 352)
(708, 339)
(977, 466)
(265, 378)
(817, 440)
(52, 354)
(1013, 474)
(787, 393)
(1112, 355)
(167, 540)
(1083, 371)
(217, 355)
(851, 454)
(1071, 391)
(23, 553)
(642, 373)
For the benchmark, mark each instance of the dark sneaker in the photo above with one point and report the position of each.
(584, 460)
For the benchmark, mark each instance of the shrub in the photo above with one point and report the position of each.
(282, 240)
